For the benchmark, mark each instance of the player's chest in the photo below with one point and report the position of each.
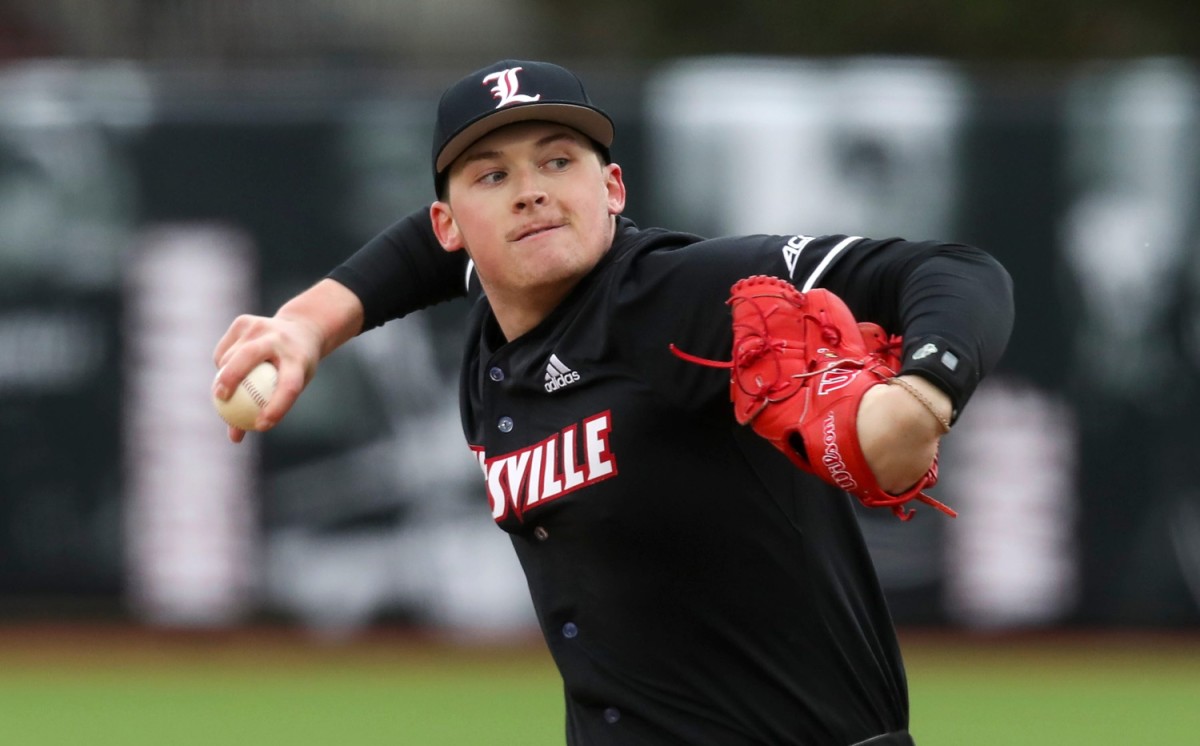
(554, 426)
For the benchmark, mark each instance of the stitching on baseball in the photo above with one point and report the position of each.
(254, 393)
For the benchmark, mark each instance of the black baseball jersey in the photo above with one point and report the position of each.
(692, 585)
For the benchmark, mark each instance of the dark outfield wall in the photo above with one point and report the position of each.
(1082, 182)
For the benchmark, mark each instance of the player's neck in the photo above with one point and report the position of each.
(519, 310)
(517, 317)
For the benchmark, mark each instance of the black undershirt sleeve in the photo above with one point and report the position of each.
(402, 270)
(953, 304)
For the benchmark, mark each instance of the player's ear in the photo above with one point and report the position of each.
(614, 185)
(445, 227)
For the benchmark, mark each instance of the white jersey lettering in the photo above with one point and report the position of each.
(516, 475)
(551, 483)
(496, 489)
(792, 250)
(570, 460)
(572, 475)
(599, 460)
(535, 469)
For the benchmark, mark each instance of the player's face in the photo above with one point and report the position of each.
(533, 205)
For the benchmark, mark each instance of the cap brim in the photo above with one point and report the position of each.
(590, 122)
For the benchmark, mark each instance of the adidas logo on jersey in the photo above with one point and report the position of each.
(558, 375)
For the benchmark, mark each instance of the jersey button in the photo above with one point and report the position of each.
(612, 715)
(496, 374)
(541, 534)
(505, 424)
(570, 631)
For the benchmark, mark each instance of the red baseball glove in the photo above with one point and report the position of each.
(801, 364)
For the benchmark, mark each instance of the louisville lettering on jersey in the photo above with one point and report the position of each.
(569, 460)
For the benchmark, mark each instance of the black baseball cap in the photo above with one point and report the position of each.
(511, 91)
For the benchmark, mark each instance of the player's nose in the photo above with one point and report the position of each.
(525, 201)
(529, 192)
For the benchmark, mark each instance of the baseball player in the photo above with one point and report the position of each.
(690, 547)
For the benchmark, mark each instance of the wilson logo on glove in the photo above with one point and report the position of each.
(832, 380)
(833, 458)
(792, 352)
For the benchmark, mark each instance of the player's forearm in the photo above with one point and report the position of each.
(942, 298)
(958, 314)
(402, 270)
(302, 332)
(330, 310)
(899, 427)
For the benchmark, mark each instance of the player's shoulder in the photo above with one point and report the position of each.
(687, 259)
(632, 240)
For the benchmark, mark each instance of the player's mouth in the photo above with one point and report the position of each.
(532, 231)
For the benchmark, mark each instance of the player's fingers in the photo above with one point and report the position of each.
(242, 327)
(254, 339)
(236, 435)
(239, 360)
(291, 382)
(229, 376)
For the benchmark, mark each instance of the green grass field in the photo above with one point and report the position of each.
(98, 687)
(1055, 690)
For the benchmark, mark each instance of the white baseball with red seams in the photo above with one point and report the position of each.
(251, 395)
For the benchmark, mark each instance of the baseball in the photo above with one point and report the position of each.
(250, 396)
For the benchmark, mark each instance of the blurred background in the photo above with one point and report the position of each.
(168, 164)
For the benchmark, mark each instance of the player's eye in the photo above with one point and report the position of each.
(491, 177)
(558, 164)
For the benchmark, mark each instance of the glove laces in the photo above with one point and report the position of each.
(756, 346)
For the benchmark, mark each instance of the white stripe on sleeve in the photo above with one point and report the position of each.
(820, 270)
